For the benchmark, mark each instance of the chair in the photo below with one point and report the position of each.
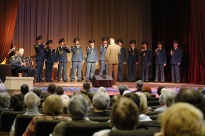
(153, 103)
(22, 121)
(83, 129)
(44, 127)
(133, 132)
(147, 125)
(100, 119)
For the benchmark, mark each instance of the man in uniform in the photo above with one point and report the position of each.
(146, 60)
(50, 59)
(176, 57)
(103, 49)
(92, 59)
(111, 58)
(132, 61)
(160, 61)
(40, 57)
(77, 59)
(62, 59)
(122, 59)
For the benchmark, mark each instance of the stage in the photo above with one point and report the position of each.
(70, 87)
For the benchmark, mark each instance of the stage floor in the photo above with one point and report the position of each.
(70, 87)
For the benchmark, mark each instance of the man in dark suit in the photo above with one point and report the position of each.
(122, 59)
(77, 59)
(132, 61)
(40, 57)
(50, 59)
(176, 57)
(145, 61)
(160, 61)
(62, 59)
(92, 59)
(103, 49)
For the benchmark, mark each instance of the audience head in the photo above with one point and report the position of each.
(16, 102)
(159, 90)
(115, 98)
(90, 95)
(101, 89)
(86, 88)
(24, 89)
(59, 90)
(37, 91)
(201, 89)
(134, 97)
(65, 99)
(125, 92)
(147, 89)
(139, 84)
(182, 119)
(4, 100)
(31, 100)
(143, 103)
(101, 101)
(78, 107)
(125, 114)
(51, 88)
(169, 97)
(148, 95)
(53, 105)
(122, 88)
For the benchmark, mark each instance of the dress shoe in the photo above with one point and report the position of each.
(79, 80)
(65, 80)
(58, 80)
(87, 80)
(71, 80)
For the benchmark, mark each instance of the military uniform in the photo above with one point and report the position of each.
(103, 65)
(132, 60)
(61, 57)
(77, 59)
(176, 58)
(40, 57)
(160, 60)
(145, 61)
(92, 58)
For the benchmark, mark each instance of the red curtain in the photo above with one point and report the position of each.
(8, 13)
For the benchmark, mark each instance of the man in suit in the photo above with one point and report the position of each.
(92, 59)
(122, 59)
(160, 61)
(145, 61)
(50, 59)
(77, 59)
(40, 57)
(62, 59)
(111, 58)
(176, 57)
(103, 49)
(132, 61)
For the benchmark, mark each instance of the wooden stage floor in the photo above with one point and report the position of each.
(69, 87)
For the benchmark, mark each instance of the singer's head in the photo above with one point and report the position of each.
(159, 44)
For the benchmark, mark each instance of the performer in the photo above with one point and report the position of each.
(92, 59)
(132, 61)
(111, 58)
(62, 59)
(103, 49)
(146, 59)
(40, 57)
(176, 57)
(160, 61)
(50, 59)
(77, 59)
(122, 59)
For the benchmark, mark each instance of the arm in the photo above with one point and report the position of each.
(125, 56)
(67, 49)
(165, 57)
(82, 55)
(136, 56)
(107, 54)
(180, 56)
(73, 49)
(96, 56)
(57, 55)
(36, 47)
(101, 48)
(88, 50)
(150, 57)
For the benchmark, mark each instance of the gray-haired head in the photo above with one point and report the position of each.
(4, 100)
(169, 97)
(139, 84)
(31, 100)
(122, 88)
(101, 89)
(101, 101)
(77, 107)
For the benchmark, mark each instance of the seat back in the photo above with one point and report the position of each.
(83, 129)
(133, 132)
(22, 121)
(44, 127)
(99, 119)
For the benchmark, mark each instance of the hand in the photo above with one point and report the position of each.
(23, 64)
(83, 62)
(57, 62)
(178, 63)
(137, 63)
(96, 63)
(124, 63)
(105, 62)
(148, 63)
(164, 65)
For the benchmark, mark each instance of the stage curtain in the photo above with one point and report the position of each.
(54, 19)
(8, 13)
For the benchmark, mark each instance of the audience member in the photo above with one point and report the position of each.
(90, 95)
(148, 95)
(126, 91)
(122, 88)
(139, 86)
(16, 103)
(134, 97)
(59, 90)
(51, 90)
(4, 100)
(147, 89)
(24, 90)
(159, 90)
(38, 92)
(86, 88)
(101, 89)
(115, 98)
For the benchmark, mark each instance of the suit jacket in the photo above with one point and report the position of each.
(39, 49)
(176, 57)
(61, 54)
(160, 57)
(122, 56)
(15, 61)
(146, 56)
(50, 56)
(92, 55)
(112, 53)
(103, 50)
(132, 55)
(77, 54)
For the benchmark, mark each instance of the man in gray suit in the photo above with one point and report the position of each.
(92, 58)
(77, 59)
(103, 49)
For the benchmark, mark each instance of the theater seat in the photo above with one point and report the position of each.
(133, 132)
(99, 119)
